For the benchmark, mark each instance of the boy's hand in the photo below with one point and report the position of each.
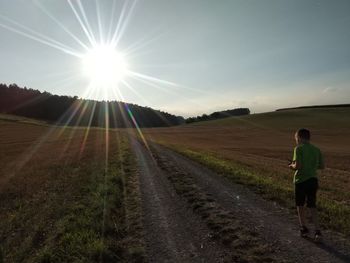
(290, 163)
(294, 165)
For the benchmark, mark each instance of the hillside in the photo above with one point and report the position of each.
(318, 118)
(267, 134)
(316, 106)
(72, 111)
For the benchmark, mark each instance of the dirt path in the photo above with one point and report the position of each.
(172, 231)
(178, 231)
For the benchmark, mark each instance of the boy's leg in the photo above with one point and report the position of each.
(315, 218)
(300, 196)
(301, 215)
(311, 204)
(303, 231)
(311, 201)
(318, 235)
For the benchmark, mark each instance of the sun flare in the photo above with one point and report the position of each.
(104, 65)
(103, 70)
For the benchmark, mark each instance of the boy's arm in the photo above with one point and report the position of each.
(296, 163)
(321, 164)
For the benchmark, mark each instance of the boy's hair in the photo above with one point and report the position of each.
(304, 134)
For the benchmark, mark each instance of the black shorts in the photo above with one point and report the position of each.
(306, 191)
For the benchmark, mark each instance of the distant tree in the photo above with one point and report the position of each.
(79, 112)
(219, 115)
(317, 107)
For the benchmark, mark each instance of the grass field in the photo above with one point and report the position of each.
(254, 150)
(72, 194)
(67, 195)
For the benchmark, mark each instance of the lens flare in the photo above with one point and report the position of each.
(104, 65)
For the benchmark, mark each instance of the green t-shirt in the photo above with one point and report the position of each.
(310, 158)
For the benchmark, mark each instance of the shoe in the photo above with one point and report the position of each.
(318, 236)
(303, 231)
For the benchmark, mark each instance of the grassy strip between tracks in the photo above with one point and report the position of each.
(333, 215)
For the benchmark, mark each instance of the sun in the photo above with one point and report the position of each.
(104, 65)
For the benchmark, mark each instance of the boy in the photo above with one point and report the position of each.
(306, 160)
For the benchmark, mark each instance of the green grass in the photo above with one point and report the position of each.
(86, 232)
(96, 220)
(97, 228)
(333, 215)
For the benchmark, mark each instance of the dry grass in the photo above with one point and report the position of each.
(62, 202)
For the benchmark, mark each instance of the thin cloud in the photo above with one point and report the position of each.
(330, 89)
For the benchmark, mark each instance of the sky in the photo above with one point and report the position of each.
(186, 57)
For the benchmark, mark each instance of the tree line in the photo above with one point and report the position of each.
(316, 107)
(73, 111)
(219, 115)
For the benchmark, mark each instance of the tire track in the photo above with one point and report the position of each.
(172, 232)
